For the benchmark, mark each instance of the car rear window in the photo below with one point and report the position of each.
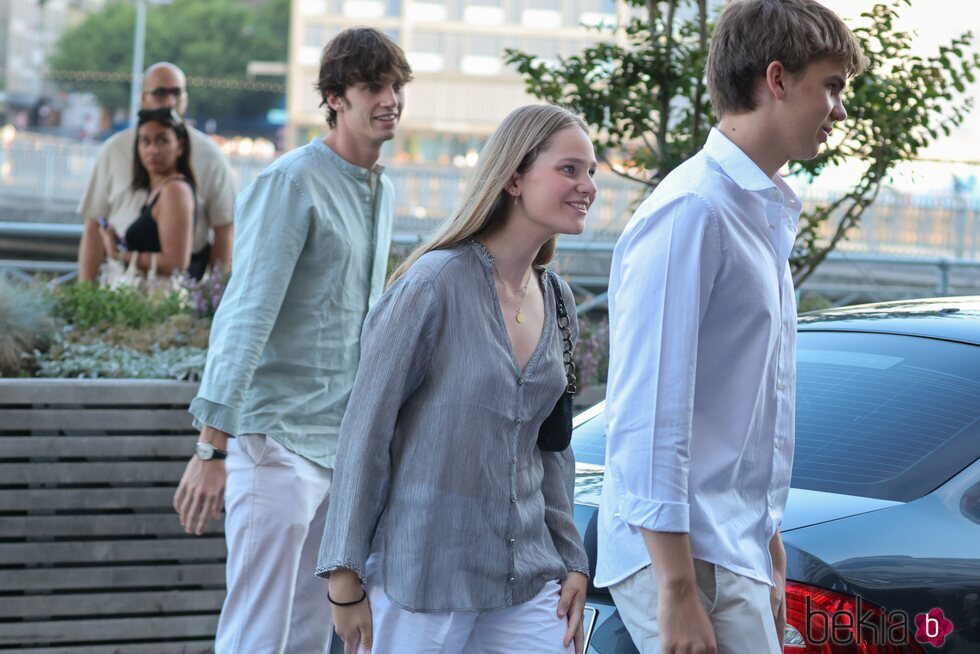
(877, 415)
(883, 415)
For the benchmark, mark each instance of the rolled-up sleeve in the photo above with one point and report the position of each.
(668, 264)
(396, 344)
(274, 220)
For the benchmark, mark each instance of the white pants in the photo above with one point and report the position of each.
(276, 506)
(738, 607)
(529, 628)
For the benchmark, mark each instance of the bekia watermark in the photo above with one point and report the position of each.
(860, 624)
(932, 627)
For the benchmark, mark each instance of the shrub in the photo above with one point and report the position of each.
(86, 306)
(100, 360)
(176, 331)
(25, 324)
(205, 295)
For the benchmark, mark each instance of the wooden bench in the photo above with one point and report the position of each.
(92, 556)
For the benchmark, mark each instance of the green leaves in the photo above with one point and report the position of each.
(647, 104)
(209, 39)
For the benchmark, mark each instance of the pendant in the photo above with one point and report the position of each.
(519, 317)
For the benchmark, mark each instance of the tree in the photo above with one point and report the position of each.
(211, 41)
(647, 104)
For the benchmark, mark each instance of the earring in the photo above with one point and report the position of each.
(515, 200)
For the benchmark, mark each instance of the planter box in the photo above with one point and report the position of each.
(92, 555)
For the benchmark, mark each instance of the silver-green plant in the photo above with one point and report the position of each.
(26, 324)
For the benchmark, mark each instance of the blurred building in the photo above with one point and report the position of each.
(462, 88)
(29, 31)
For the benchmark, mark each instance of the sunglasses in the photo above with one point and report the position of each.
(164, 116)
(162, 92)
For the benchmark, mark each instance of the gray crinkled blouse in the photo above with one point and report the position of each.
(438, 445)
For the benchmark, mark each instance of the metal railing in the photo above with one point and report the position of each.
(851, 276)
(48, 176)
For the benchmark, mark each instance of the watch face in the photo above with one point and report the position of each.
(204, 450)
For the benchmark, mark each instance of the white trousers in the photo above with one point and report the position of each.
(738, 607)
(529, 628)
(276, 506)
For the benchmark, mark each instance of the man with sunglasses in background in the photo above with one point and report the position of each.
(110, 192)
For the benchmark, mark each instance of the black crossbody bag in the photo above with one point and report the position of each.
(555, 434)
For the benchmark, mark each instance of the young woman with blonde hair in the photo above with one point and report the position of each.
(439, 479)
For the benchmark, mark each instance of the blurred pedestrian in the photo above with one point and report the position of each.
(110, 194)
(160, 238)
(311, 253)
(439, 478)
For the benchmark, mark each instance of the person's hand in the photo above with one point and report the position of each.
(109, 238)
(352, 623)
(571, 604)
(777, 597)
(777, 594)
(200, 494)
(684, 624)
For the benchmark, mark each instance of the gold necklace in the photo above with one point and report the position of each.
(519, 317)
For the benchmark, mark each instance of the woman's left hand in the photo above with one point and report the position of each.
(571, 604)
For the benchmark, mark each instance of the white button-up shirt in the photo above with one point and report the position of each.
(700, 401)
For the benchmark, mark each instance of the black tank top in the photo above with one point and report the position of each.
(142, 235)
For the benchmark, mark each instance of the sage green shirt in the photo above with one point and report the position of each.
(312, 234)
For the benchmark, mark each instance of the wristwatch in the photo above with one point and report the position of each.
(207, 451)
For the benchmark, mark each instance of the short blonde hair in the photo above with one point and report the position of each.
(751, 34)
(513, 148)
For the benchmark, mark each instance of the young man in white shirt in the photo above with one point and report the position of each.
(701, 393)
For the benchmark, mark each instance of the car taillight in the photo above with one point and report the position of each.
(820, 621)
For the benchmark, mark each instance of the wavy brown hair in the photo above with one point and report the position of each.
(358, 54)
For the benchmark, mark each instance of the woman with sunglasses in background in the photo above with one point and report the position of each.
(160, 238)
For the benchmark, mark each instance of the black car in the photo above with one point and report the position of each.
(882, 526)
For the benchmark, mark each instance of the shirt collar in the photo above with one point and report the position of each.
(744, 172)
(736, 164)
(354, 171)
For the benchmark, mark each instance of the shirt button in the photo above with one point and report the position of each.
(771, 226)
(520, 382)
(781, 386)
(770, 505)
(513, 460)
(513, 499)
(511, 580)
(517, 421)
(510, 540)
(777, 445)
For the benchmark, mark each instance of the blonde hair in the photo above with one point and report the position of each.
(524, 134)
(751, 34)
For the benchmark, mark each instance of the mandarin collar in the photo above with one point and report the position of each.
(356, 172)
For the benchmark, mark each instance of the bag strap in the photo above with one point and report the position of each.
(564, 325)
(132, 268)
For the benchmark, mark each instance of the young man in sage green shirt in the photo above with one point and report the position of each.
(310, 256)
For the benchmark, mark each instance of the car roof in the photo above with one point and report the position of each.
(950, 318)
